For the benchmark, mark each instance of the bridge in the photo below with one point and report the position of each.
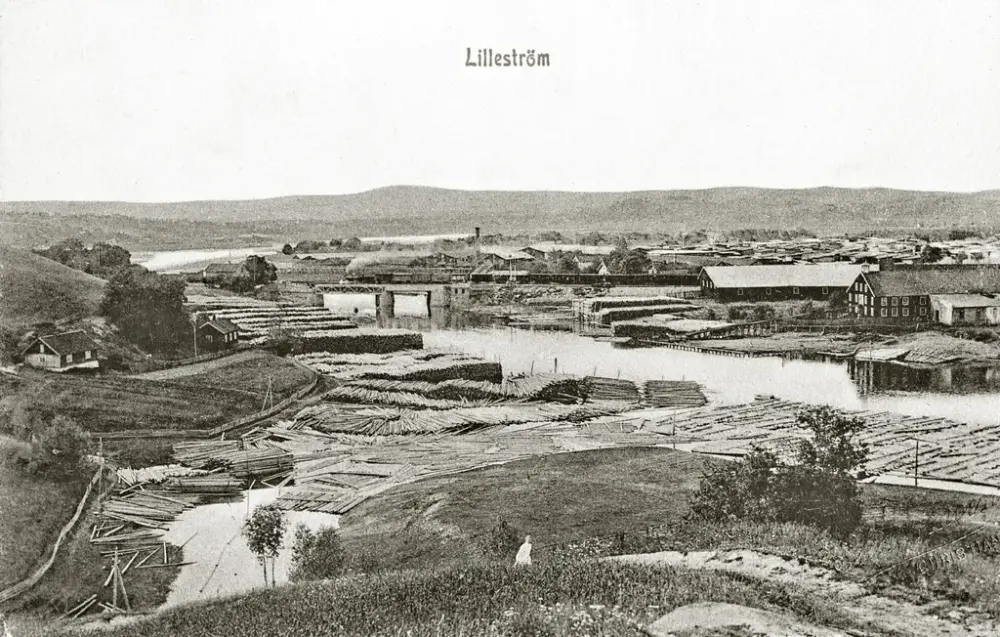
(437, 295)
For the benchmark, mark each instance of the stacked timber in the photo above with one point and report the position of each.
(365, 396)
(393, 422)
(674, 393)
(217, 484)
(155, 475)
(557, 387)
(430, 366)
(202, 454)
(356, 341)
(598, 388)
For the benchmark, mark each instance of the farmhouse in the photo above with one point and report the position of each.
(218, 273)
(966, 309)
(217, 334)
(60, 352)
(776, 282)
(505, 259)
(904, 294)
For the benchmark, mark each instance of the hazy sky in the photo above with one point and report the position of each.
(198, 99)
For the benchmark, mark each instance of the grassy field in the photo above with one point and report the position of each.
(936, 544)
(32, 512)
(109, 402)
(570, 599)
(37, 290)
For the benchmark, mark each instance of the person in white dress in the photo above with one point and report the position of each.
(524, 553)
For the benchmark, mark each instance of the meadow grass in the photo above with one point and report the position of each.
(554, 599)
(33, 509)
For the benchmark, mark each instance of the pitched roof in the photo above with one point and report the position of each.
(833, 275)
(222, 326)
(917, 280)
(67, 342)
(507, 254)
(221, 268)
(968, 300)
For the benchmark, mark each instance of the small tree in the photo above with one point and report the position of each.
(264, 532)
(318, 555)
(287, 249)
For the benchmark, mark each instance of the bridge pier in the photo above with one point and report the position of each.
(385, 303)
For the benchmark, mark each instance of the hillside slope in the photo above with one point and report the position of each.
(35, 290)
(408, 209)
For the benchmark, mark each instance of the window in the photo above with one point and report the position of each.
(906, 300)
(86, 355)
(923, 300)
(739, 292)
(825, 290)
(884, 312)
(923, 311)
(906, 311)
(208, 337)
(769, 291)
(895, 300)
(795, 290)
(895, 312)
(885, 301)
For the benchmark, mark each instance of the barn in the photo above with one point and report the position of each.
(776, 282)
(60, 352)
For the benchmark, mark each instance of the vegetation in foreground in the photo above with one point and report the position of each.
(927, 544)
(555, 599)
(33, 508)
(110, 402)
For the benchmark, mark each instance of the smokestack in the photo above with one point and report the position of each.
(477, 239)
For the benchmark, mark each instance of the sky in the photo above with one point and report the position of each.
(229, 99)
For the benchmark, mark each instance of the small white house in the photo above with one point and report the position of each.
(59, 352)
(966, 309)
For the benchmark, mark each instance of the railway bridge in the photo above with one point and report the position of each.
(437, 295)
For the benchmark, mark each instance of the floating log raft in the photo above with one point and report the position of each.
(673, 393)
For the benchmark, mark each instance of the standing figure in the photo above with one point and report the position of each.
(524, 553)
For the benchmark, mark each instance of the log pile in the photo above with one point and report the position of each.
(673, 393)
(366, 396)
(353, 341)
(555, 387)
(429, 366)
(393, 422)
(598, 388)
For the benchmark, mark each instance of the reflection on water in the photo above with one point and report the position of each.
(223, 565)
(969, 394)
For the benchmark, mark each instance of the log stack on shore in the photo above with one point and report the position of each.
(673, 393)
(598, 388)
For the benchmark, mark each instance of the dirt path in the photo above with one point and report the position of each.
(882, 614)
(203, 367)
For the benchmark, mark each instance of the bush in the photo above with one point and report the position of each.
(820, 489)
(318, 555)
(56, 449)
(501, 542)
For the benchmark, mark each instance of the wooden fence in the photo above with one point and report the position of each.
(22, 586)
(221, 429)
(153, 365)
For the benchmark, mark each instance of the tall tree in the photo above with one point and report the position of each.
(148, 308)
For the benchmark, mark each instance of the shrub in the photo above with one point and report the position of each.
(820, 489)
(318, 555)
(501, 541)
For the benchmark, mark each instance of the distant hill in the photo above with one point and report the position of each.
(35, 290)
(400, 210)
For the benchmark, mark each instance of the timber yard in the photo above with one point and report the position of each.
(322, 378)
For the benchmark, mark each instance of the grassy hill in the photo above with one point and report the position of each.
(36, 290)
(397, 210)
